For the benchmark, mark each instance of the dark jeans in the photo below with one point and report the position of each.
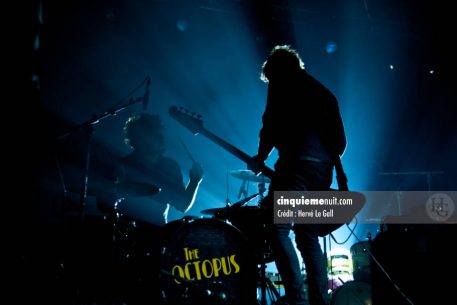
(301, 176)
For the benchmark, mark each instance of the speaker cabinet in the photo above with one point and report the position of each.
(420, 262)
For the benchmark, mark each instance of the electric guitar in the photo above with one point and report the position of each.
(193, 122)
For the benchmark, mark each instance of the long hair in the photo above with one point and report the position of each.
(142, 125)
(282, 61)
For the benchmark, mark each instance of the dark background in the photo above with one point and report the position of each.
(391, 68)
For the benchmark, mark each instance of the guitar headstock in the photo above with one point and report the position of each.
(191, 120)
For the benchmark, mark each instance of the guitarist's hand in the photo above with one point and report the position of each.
(255, 164)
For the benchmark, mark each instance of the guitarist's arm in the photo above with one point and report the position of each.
(264, 150)
(333, 133)
(265, 136)
(265, 146)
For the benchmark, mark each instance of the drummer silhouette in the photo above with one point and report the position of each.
(146, 185)
(147, 165)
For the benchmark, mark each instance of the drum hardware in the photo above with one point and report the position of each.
(214, 293)
(122, 189)
(249, 176)
(131, 238)
(243, 189)
(262, 248)
(222, 213)
(262, 190)
(269, 285)
(265, 282)
(135, 189)
(274, 284)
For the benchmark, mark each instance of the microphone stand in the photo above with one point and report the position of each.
(87, 127)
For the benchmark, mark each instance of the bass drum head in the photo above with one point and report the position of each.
(352, 293)
(207, 262)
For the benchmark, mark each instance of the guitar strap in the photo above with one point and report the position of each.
(340, 175)
(325, 229)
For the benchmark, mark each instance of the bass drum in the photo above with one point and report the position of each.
(207, 262)
(352, 293)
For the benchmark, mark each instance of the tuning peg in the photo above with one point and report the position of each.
(199, 116)
(186, 111)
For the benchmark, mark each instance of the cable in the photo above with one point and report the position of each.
(389, 278)
(351, 230)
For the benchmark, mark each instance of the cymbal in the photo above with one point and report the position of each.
(213, 211)
(123, 189)
(248, 175)
(136, 189)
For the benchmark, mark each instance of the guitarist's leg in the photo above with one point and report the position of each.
(307, 241)
(300, 176)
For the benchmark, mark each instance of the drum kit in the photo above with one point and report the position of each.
(219, 258)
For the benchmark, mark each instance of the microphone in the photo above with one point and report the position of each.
(146, 94)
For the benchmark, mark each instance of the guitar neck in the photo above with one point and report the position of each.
(235, 151)
(194, 123)
(227, 146)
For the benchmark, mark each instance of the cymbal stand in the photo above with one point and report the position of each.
(263, 280)
(261, 187)
(243, 189)
(83, 197)
(265, 283)
(274, 294)
(227, 199)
